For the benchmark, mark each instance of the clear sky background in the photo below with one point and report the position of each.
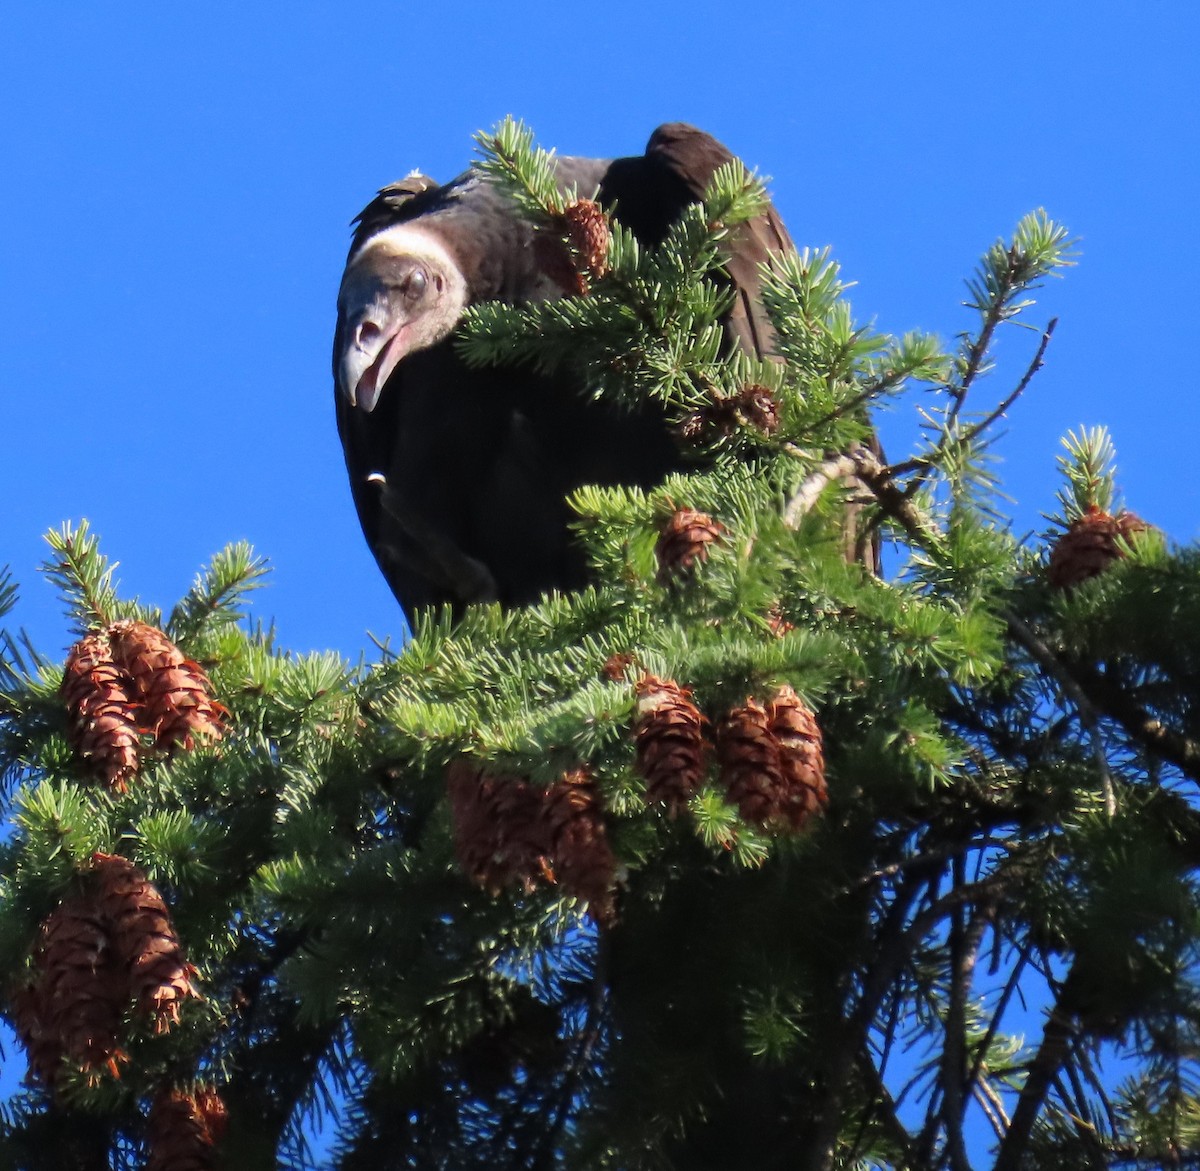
(178, 180)
(177, 183)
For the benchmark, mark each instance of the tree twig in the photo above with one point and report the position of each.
(1181, 750)
(924, 462)
(802, 500)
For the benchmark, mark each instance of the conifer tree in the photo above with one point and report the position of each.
(743, 857)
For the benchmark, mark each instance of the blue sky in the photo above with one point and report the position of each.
(179, 181)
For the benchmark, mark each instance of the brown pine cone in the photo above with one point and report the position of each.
(683, 541)
(42, 1044)
(101, 704)
(74, 1008)
(180, 1134)
(753, 406)
(671, 748)
(752, 766)
(587, 229)
(499, 833)
(802, 756)
(143, 941)
(175, 692)
(579, 850)
(1089, 546)
(757, 407)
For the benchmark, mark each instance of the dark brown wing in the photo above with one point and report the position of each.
(650, 191)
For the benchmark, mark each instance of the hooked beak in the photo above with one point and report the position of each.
(373, 352)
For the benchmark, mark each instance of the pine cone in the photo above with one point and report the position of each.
(683, 541)
(181, 1133)
(752, 767)
(801, 754)
(753, 406)
(499, 833)
(1089, 546)
(99, 697)
(757, 407)
(42, 1044)
(582, 858)
(671, 749)
(73, 1009)
(176, 694)
(143, 940)
(81, 988)
(587, 228)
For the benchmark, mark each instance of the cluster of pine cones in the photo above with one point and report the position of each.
(105, 950)
(509, 831)
(108, 954)
(771, 758)
(128, 681)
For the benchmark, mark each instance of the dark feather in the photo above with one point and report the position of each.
(650, 191)
(403, 200)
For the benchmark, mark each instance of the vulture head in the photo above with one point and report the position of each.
(402, 292)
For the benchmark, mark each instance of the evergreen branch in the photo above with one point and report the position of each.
(975, 1080)
(1082, 1113)
(993, 315)
(934, 458)
(871, 391)
(1094, 695)
(583, 1050)
(889, 950)
(963, 940)
(801, 502)
(893, 502)
(884, 1109)
(1088, 712)
(1090, 472)
(1142, 727)
(864, 463)
(217, 591)
(523, 171)
(8, 591)
(82, 575)
(1092, 1074)
(1038, 247)
(992, 1105)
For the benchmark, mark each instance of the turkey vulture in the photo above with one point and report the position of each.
(460, 475)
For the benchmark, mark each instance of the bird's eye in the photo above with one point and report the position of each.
(414, 286)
